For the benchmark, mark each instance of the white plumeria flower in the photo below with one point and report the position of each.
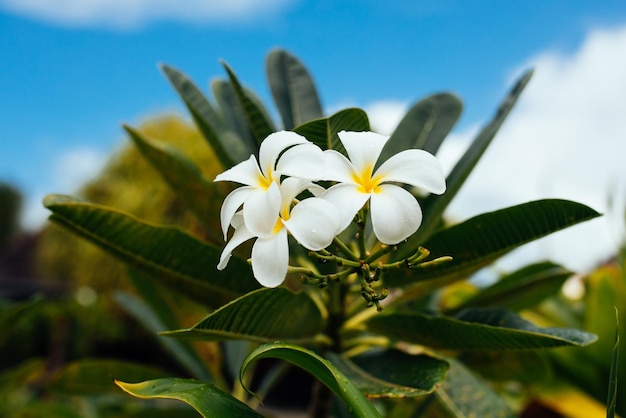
(395, 212)
(313, 222)
(260, 196)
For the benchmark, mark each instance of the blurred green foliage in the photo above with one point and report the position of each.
(130, 183)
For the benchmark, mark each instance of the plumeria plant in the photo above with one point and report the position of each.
(333, 257)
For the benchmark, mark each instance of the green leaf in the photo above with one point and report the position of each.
(475, 329)
(262, 315)
(93, 376)
(392, 373)
(323, 132)
(611, 401)
(256, 116)
(524, 366)
(463, 395)
(434, 205)
(321, 369)
(205, 398)
(479, 241)
(229, 148)
(233, 114)
(522, 289)
(169, 254)
(292, 88)
(424, 126)
(184, 178)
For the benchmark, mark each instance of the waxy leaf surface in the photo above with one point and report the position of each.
(205, 398)
(392, 373)
(172, 256)
(262, 315)
(475, 329)
(323, 132)
(480, 240)
(321, 369)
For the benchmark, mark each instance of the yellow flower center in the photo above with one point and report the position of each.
(367, 183)
(264, 182)
(278, 226)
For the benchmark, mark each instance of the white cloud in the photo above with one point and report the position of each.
(566, 138)
(69, 171)
(385, 115)
(131, 13)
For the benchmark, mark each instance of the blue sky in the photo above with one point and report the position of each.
(71, 71)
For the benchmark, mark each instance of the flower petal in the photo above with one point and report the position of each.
(305, 161)
(415, 167)
(314, 222)
(395, 213)
(231, 204)
(246, 172)
(270, 259)
(347, 200)
(363, 148)
(273, 145)
(338, 167)
(261, 209)
(241, 235)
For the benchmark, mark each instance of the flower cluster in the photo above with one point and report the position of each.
(269, 205)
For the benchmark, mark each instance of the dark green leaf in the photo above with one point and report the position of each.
(434, 205)
(234, 116)
(256, 116)
(324, 131)
(472, 329)
(463, 395)
(321, 369)
(93, 376)
(169, 254)
(205, 398)
(527, 366)
(262, 315)
(392, 373)
(424, 126)
(479, 241)
(522, 289)
(184, 178)
(292, 88)
(229, 148)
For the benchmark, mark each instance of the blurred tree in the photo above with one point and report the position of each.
(10, 206)
(130, 184)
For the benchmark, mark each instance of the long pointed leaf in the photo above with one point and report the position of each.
(172, 256)
(434, 205)
(323, 132)
(479, 241)
(227, 146)
(425, 125)
(93, 376)
(185, 179)
(463, 395)
(263, 315)
(257, 118)
(234, 116)
(522, 289)
(321, 369)
(485, 329)
(392, 373)
(205, 398)
(292, 88)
